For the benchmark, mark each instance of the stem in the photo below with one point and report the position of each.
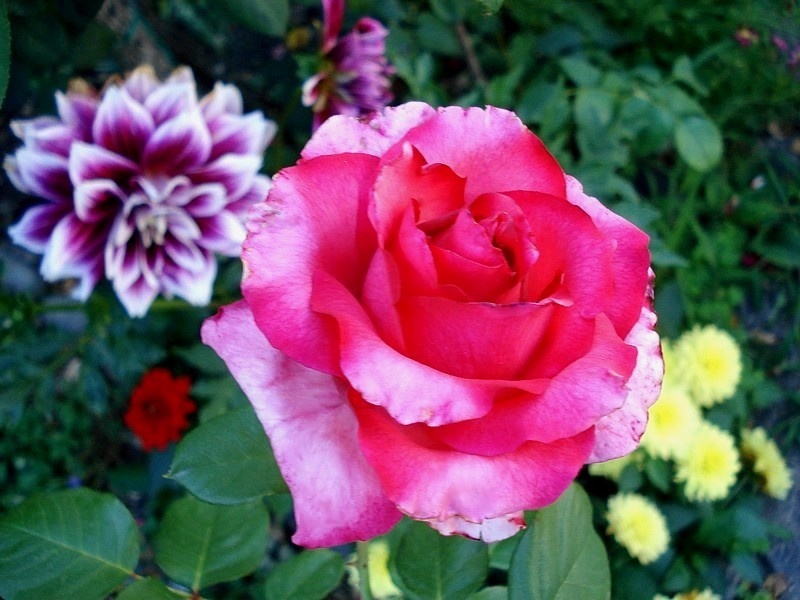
(469, 53)
(362, 564)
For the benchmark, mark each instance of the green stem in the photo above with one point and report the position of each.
(362, 564)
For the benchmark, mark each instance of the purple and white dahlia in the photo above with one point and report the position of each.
(143, 183)
(354, 79)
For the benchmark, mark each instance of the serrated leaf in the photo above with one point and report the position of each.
(148, 589)
(310, 575)
(430, 566)
(5, 50)
(70, 544)
(269, 17)
(699, 143)
(227, 460)
(199, 544)
(561, 557)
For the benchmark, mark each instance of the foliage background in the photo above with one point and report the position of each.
(655, 106)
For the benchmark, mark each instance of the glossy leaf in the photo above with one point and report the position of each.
(561, 557)
(310, 575)
(430, 566)
(199, 544)
(699, 143)
(70, 544)
(148, 589)
(227, 460)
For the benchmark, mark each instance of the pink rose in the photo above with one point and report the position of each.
(438, 322)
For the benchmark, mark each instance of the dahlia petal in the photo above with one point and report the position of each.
(34, 229)
(97, 200)
(337, 496)
(223, 99)
(77, 111)
(179, 76)
(186, 255)
(168, 101)
(489, 530)
(237, 173)
(372, 135)
(75, 251)
(436, 484)
(193, 286)
(202, 200)
(122, 125)
(223, 233)
(45, 134)
(618, 433)
(178, 145)
(141, 82)
(88, 162)
(234, 134)
(630, 262)
(288, 240)
(257, 193)
(136, 297)
(333, 13)
(41, 174)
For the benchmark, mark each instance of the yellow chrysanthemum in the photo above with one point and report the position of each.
(611, 469)
(708, 463)
(706, 594)
(638, 525)
(768, 463)
(380, 581)
(673, 419)
(709, 362)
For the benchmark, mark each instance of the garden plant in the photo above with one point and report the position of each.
(457, 299)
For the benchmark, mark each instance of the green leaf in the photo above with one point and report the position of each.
(70, 544)
(430, 566)
(148, 589)
(683, 71)
(561, 557)
(491, 6)
(659, 473)
(699, 143)
(495, 592)
(580, 71)
(5, 50)
(227, 460)
(310, 575)
(269, 17)
(199, 544)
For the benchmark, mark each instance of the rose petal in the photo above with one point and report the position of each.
(122, 125)
(337, 496)
(372, 135)
(618, 433)
(489, 530)
(289, 240)
(630, 262)
(492, 148)
(436, 483)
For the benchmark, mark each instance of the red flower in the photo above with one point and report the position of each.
(158, 409)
